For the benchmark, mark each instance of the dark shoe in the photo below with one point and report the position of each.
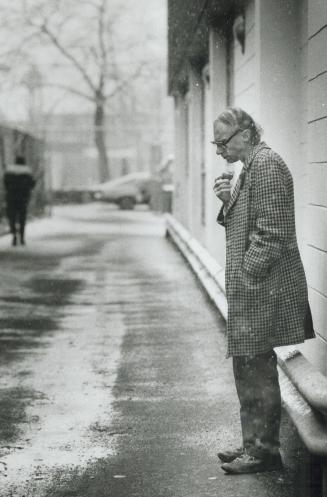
(14, 241)
(248, 464)
(230, 455)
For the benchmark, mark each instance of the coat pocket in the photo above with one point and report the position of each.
(250, 282)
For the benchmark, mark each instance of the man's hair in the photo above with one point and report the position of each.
(238, 118)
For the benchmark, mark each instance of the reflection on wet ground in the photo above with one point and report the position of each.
(60, 334)
(112, 367)
(14, 402)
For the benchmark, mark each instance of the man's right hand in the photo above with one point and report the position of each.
(222, 189)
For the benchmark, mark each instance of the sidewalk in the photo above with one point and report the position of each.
(303, 388)
(124, 390)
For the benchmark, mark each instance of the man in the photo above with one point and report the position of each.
(265, 284)
(18, 182)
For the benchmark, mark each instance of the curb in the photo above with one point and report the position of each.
(206, 268)
(303, 389)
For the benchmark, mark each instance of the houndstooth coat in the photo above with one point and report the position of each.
(265, 282)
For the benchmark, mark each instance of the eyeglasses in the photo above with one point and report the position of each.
(223, 143)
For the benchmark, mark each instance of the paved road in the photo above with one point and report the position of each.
(113, 377)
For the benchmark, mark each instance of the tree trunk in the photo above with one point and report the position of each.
(100, 141)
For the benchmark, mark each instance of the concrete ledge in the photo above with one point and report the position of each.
(311, 383)
(304, 389)
(206, 268)
(310, 426)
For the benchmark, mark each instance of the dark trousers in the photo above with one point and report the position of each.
(16, 213)
(256, 379)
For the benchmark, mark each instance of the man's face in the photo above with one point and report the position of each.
(229, 141)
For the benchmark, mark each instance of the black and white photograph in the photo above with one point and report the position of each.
(163, 248)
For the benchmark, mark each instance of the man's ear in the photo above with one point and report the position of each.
(246, 135)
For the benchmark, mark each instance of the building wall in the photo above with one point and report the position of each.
(180, 201)
(232, 82)
(245, 85)
(286, 49)
(280, 68)
(316, 252)
(189, 151)
(217, 101)
(195, 152)
(242, 80)
(301, 193)
(281, 79)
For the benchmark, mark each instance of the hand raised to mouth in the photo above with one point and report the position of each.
(223, 187)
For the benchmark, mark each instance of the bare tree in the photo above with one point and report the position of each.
(79, 39)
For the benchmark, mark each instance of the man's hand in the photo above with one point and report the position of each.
(222, 189)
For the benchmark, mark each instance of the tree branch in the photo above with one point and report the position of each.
(125, 83)
(69, 56)
(69, 89)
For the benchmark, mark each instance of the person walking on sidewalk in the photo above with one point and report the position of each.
(18, 182)
(265, 284)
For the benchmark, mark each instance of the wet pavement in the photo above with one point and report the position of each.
(113, 376)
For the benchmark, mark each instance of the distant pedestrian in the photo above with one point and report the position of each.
(265, 284)
(18, 182)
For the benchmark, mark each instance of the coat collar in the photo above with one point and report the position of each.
(256, 149)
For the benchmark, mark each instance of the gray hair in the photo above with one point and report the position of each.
(236, 117)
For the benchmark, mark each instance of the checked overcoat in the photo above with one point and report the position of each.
(266, 287)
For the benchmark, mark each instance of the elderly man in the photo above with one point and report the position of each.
(265, 284)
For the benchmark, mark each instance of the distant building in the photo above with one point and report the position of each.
(133, 144)
(69, 142)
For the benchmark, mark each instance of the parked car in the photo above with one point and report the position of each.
(127, 191)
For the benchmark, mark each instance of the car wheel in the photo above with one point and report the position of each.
(127, 203)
